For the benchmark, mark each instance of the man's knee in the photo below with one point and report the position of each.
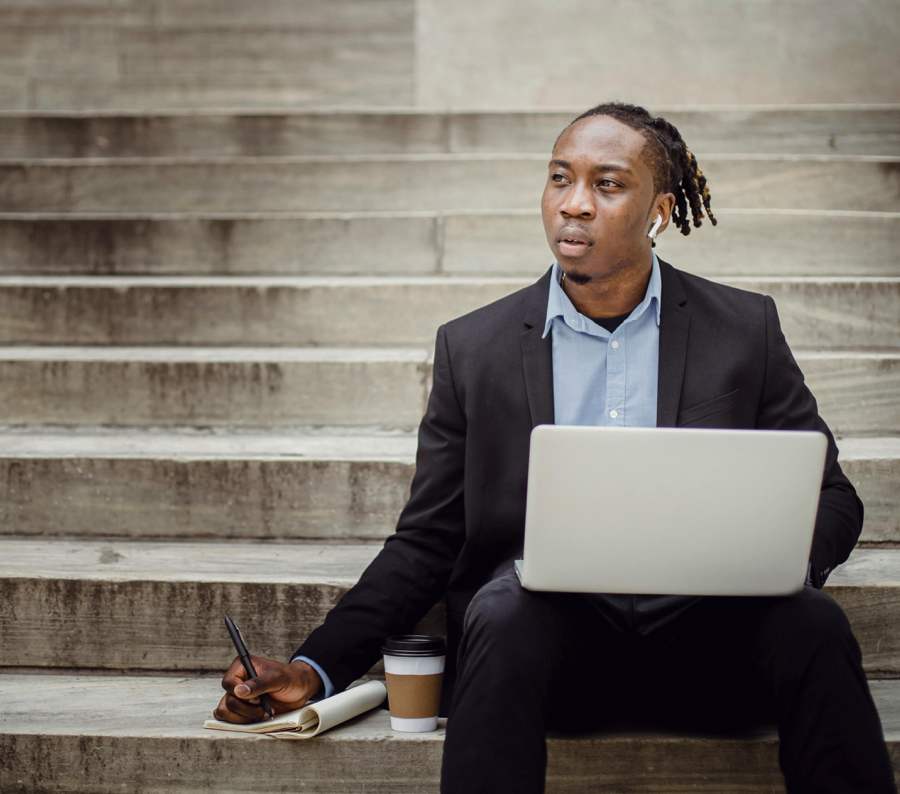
(499, 608)
(510, 621)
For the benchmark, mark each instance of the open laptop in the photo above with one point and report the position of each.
(670, 510)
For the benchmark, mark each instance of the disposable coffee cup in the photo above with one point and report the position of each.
(414, 669)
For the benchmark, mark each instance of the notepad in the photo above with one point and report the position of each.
(315, 718)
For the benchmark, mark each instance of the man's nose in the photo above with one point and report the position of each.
(578, 202)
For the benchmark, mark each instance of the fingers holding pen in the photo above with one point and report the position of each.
(287, 686)
(241, 706)
(233, 709)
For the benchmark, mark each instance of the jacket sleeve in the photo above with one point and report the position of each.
(787, 404)
(410, 573)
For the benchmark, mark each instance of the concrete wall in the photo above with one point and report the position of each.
(56, 54)
(437, 54)
(574, 53)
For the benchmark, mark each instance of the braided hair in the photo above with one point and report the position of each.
(672, 164)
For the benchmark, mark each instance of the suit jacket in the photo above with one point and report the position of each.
(723, 362)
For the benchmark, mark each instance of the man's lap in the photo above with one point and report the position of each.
(712, 667)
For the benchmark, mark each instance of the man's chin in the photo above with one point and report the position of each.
(577, 278)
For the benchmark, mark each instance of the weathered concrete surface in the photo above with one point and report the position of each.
(316, 311)
(86, 740)
(800, 129)
(702, 52)
(265, 90)
(745, 242)
(787, 243)
(96, 603)
(815, 312)
(873, 466)
(864, 587)
(239, 387)
(186, 243)
(277, 485)
(284, 484)
(131, 55)
(412, 182)
(857, 392)
(489, 242)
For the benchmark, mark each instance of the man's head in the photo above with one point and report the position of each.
(614, 169)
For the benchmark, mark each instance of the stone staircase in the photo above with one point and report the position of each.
(214, 349)
(215, 341)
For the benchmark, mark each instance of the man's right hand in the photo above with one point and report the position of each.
(288, 686)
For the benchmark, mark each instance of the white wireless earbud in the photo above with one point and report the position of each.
(656, 224)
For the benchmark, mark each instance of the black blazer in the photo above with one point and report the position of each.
(723, 362)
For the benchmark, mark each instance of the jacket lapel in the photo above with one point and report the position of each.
(674, 324)
(537, 356)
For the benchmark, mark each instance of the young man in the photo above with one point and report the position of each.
(611, 336)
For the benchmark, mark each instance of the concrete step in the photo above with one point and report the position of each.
(55, 737)
(412, 182)
(80, 588)
(824, 313)
(858, 391)
(873, 466)
(331, 484)
(158, 605)
(218, 387)
(461, 242)
(799, 129)
(327, 484)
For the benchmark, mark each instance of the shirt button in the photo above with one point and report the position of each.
(615, 345)
(613, 414)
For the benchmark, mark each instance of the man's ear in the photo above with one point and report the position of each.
(663, 206)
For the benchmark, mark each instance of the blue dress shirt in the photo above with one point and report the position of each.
(603, 378)
(326, 681)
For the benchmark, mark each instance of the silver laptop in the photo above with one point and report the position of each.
(668, 510)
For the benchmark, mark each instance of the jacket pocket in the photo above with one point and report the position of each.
(705, 410)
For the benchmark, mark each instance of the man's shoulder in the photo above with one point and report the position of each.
(703, 296)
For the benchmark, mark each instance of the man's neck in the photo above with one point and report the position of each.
(611, 296)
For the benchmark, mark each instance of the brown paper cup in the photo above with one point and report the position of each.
(414, 681)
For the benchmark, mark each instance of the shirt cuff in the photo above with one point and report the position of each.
(329, 687)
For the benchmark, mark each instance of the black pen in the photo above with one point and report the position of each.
(244, 655)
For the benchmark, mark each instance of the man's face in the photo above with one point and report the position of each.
(598, 199)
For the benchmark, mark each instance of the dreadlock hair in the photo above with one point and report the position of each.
(672, 164)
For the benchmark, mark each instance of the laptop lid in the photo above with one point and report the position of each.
(670, 510)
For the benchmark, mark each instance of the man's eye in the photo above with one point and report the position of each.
(558, 178)
(606, 183)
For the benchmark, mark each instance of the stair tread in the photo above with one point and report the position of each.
(358, 282)
(320, 443)
(303, 215)
(291, 562)
(203, 353)
(162, 706)
(412, 157)
(174, 353)
(412, 110)
(325, 444)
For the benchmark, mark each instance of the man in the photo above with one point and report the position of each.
(611, 335)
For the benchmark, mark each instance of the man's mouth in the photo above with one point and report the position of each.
(570, 244)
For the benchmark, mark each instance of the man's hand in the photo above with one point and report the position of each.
(288, 686)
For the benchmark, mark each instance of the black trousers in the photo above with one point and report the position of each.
(532, 662)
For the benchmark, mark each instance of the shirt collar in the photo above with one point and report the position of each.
(559, 305)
